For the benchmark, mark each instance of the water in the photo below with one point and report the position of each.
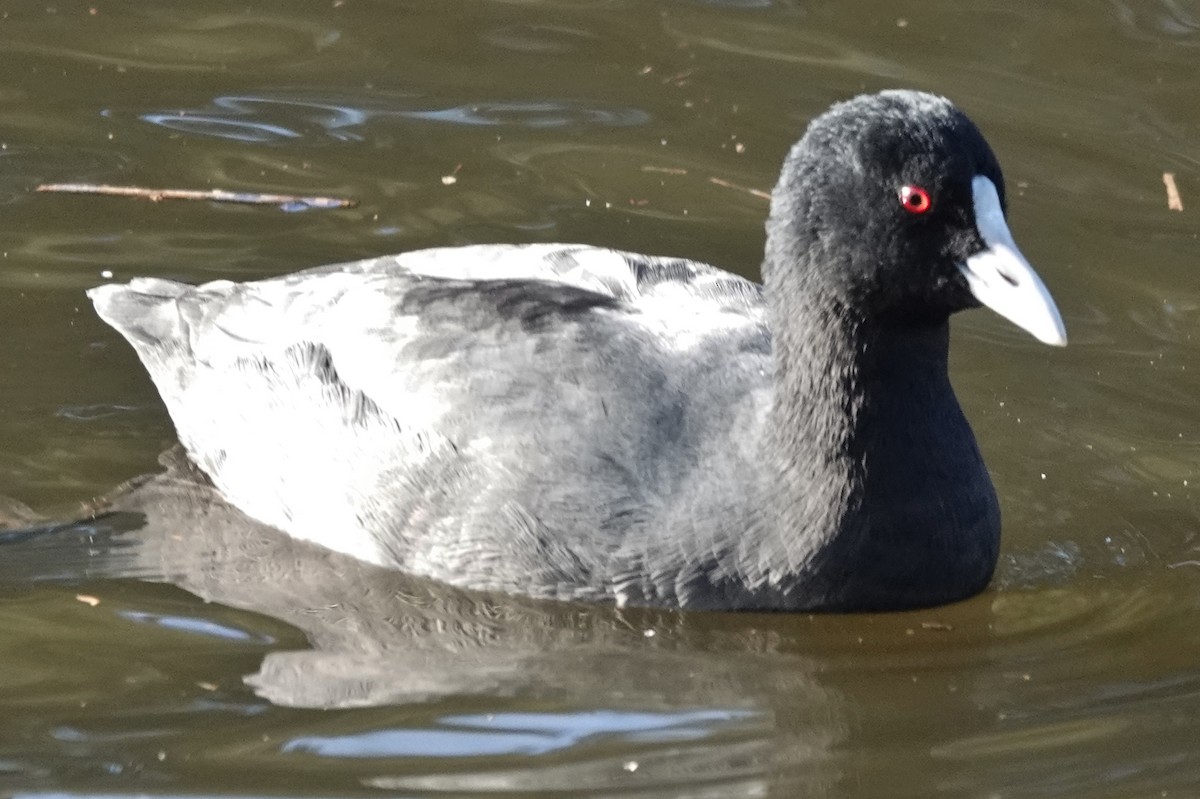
(644, 126)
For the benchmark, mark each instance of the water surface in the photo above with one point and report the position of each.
(640, 125)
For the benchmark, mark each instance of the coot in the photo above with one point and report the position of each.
(574, 422)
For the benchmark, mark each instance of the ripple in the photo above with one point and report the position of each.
(784, 44)
(588, 5)
(517, 734)
(264, 118)
(1168, 20)
(531, 114)
(87, 413)
(648, 181)
(158, 41)
(195, 626)
(542, 39)
(26, 166)
(70, 261)
(737, 3)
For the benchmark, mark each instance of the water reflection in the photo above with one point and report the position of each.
(788, 44)
(241, 118)
(528, 696)
(189, 625)
(548, 39)
(1073, 676)
(649, 699)
(1173, 20)
(162, 39)
(522, 733)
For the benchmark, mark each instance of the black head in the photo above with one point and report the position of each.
(893, 204)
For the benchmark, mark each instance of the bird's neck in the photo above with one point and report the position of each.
(867, 448)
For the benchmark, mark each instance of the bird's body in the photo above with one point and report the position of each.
(574, 422)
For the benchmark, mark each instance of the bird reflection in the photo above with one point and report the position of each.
(662, 698)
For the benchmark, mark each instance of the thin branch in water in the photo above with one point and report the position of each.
(213, 195)
(726, 184)
(1174, 201)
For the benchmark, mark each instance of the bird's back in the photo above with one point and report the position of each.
(546, 419)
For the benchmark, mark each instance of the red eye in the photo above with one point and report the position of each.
(915, 199)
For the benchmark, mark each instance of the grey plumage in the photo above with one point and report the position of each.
(470, 488)
(579, 423)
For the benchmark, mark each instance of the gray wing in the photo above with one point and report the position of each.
(522, 418)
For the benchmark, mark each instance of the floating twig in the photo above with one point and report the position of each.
(666, 170)
(1174, 201)
(726, 184)
(680, 78)
(452, 178)
(937, 625)
(213, 195)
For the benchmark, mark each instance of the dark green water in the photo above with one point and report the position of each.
(1078, 674)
